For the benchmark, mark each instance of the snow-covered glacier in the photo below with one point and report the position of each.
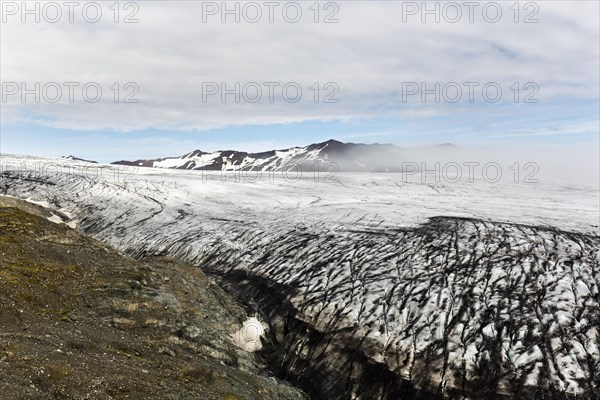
(374, 286)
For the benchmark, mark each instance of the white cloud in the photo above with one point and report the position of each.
(369, 54)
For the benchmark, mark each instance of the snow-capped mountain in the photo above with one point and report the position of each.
(332, 154)
(73, 158)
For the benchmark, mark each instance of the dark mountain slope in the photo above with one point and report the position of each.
(78, 320)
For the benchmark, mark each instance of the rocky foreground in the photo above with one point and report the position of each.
(78, 320)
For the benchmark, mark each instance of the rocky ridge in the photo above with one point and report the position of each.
(79, 320)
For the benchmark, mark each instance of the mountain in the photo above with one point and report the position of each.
(329, 155)
(73, 158)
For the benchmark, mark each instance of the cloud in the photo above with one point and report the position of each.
(368, 54)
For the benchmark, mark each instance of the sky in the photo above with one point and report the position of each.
(252, 76)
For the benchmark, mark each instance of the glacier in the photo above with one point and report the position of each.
(373, 286)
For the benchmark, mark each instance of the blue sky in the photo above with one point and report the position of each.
(557, 123)
(369, 54)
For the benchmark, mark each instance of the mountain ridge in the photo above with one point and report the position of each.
(350, 157)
